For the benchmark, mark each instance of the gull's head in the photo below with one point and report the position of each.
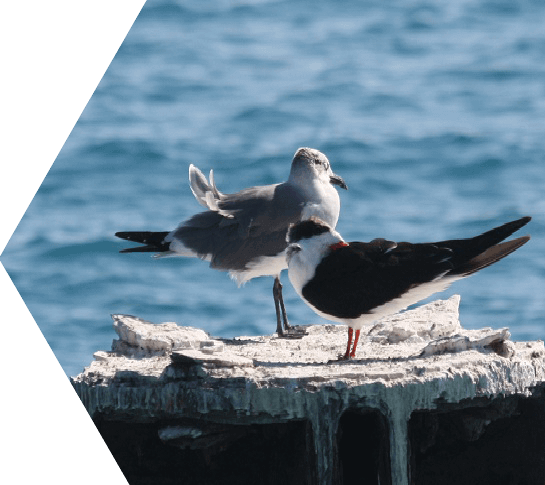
(310, 164)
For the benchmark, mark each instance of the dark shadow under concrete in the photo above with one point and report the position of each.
(267, 454)
(500, 442)
(363, 448)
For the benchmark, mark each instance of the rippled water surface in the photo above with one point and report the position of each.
(434, 114)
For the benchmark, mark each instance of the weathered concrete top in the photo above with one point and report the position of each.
(418, 346)
(187, 383)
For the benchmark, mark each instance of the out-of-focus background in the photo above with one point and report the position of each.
(434, 114)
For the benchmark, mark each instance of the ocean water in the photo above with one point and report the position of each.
(433, 113)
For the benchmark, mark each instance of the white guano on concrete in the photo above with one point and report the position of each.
(406, 362)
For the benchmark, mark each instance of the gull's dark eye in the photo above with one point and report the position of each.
(318, 161)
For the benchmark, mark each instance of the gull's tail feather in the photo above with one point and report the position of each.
(204, 191)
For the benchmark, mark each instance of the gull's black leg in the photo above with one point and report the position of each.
(277, 294)
(279, 301)
(280, 308)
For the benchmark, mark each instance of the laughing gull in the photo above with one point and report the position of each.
(357, 283)
(245, 233)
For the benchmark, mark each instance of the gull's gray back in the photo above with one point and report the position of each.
(250, 224)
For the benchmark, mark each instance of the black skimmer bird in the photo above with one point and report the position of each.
(357, 283)
(245, 233)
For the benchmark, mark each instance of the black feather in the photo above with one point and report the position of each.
(154, 241)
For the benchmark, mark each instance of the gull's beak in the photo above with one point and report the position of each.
(335, 179)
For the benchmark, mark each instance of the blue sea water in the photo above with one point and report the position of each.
(433, 113)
